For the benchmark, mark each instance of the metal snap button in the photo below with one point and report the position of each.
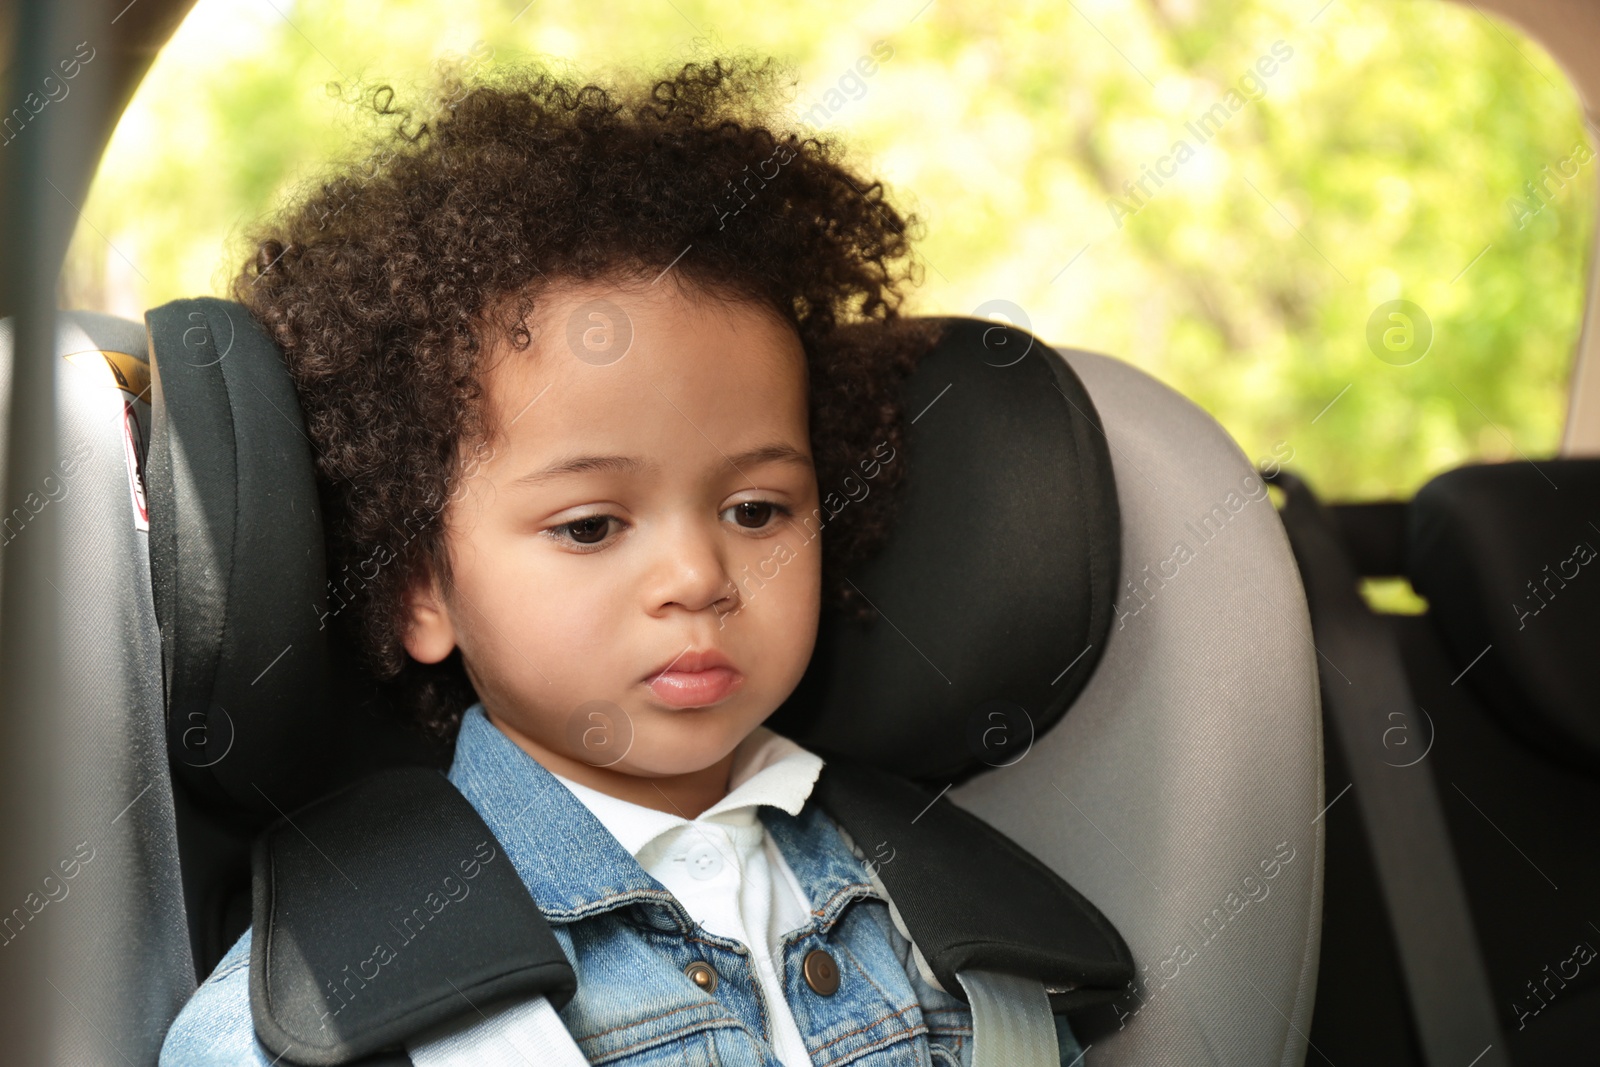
(705, 861)
(703, 975)
(821, 973)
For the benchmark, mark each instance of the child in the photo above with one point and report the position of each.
(574, 362)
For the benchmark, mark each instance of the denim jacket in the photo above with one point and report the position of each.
(630, 943)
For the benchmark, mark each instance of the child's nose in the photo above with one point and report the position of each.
(693, 570)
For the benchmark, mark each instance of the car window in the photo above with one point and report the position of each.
(1354, 231)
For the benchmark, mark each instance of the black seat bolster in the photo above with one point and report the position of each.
(383, 909)
(971, 898)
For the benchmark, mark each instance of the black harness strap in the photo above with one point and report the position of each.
(972, 898)
(386, 907)
(383, 909)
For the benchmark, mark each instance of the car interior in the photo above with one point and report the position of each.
(1247, 818)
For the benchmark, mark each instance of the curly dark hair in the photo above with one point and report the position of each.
(385, 282)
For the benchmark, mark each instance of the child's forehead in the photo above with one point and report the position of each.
(573, 324)
(601, 355)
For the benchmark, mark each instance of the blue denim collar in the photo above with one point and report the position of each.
(575, 868)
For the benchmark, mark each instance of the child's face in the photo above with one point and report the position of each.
(573, 590)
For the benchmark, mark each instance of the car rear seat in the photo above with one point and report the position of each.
(1501, 700)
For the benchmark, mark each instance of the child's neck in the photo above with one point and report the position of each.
(685, 795)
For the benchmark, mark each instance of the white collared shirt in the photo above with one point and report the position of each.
(724, 868)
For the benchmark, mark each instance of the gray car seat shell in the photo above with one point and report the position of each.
(1184, 791)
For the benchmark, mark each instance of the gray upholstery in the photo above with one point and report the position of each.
(124, 966)
(1195, 750)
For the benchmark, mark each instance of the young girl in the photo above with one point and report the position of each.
(574, 363)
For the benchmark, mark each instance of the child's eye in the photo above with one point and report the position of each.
(756, 514)
(592, 531)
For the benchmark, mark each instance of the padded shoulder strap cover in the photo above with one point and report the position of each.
(383, 909)
(971, 898)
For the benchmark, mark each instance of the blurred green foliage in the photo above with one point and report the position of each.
(1383, 157)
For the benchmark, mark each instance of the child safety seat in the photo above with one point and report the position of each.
(1074, 537)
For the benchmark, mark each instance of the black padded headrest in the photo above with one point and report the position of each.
(255, 721)
(1000, 574)
(1506, 555)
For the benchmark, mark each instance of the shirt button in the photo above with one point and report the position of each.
(705, 861)
(703, 975)
(821, 973)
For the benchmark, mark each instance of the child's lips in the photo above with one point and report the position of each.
(694, 689)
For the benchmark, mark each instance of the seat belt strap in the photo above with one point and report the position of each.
(1012, 1025)
(1399, 805)
(515, 1035)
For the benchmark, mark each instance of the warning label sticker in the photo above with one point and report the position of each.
(133, 452)
(131, 375)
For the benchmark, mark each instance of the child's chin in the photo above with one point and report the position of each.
(683, 741)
